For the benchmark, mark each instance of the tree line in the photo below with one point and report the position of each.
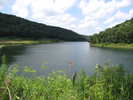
(11, 25)
(121, 33)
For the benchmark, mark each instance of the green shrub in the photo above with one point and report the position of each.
(107, 83)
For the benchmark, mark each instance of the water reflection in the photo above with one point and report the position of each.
(56, 54)
(10, 52)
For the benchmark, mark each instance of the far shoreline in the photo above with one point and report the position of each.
(15, 42)
(112, 45)
(1, 46)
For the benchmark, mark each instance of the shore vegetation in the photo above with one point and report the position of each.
(20, 41)
(107, 83)
(119, 36)
(113, 45)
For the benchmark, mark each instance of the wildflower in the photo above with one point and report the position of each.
(59, 71)
(53, 72)
(111, 85)
(87, 85)
(26, 67)
(9, 69)
(97, 65)
(26, 70)
(45, 62)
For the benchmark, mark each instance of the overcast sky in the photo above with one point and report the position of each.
(82, 16)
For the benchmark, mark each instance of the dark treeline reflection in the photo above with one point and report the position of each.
(10, 52)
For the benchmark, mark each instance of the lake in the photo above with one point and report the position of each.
(56, 54)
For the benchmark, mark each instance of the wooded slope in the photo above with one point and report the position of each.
(121, 33)
(11, 25)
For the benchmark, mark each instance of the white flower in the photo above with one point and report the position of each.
(96, 65)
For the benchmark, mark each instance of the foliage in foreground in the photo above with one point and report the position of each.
(107, 83)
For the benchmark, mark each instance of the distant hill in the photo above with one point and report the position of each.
(87, 37)
(11, 25)
(121, 33)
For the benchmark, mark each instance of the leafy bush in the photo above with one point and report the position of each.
(107, 83)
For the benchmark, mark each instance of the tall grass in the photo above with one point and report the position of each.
(107, 83)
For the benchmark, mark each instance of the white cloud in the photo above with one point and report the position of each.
(131, 13)
(99, 9)
(98, 28)
(109, 20)
(123, 3)
(86, 27)
(81, 30)
(5, 3)
(42, 8)
(95, 9)
(114, 24)
(54, 12)
(67, 18)
(20, 7)
(50, 7)
(88, 24)
(23, 13)
(71, 26)
(62, 20)
(50, 11)
(87, 18)
(120, 15)
(82, 4)
(63, 5)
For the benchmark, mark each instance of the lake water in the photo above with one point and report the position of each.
(56, 54)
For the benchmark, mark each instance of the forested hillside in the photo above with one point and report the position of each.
(11, 25)
(121, 33)
(86, 36)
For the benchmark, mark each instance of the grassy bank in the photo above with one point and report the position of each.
(107, 83)
(21, 41)
(112, 45)
(1, 46)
